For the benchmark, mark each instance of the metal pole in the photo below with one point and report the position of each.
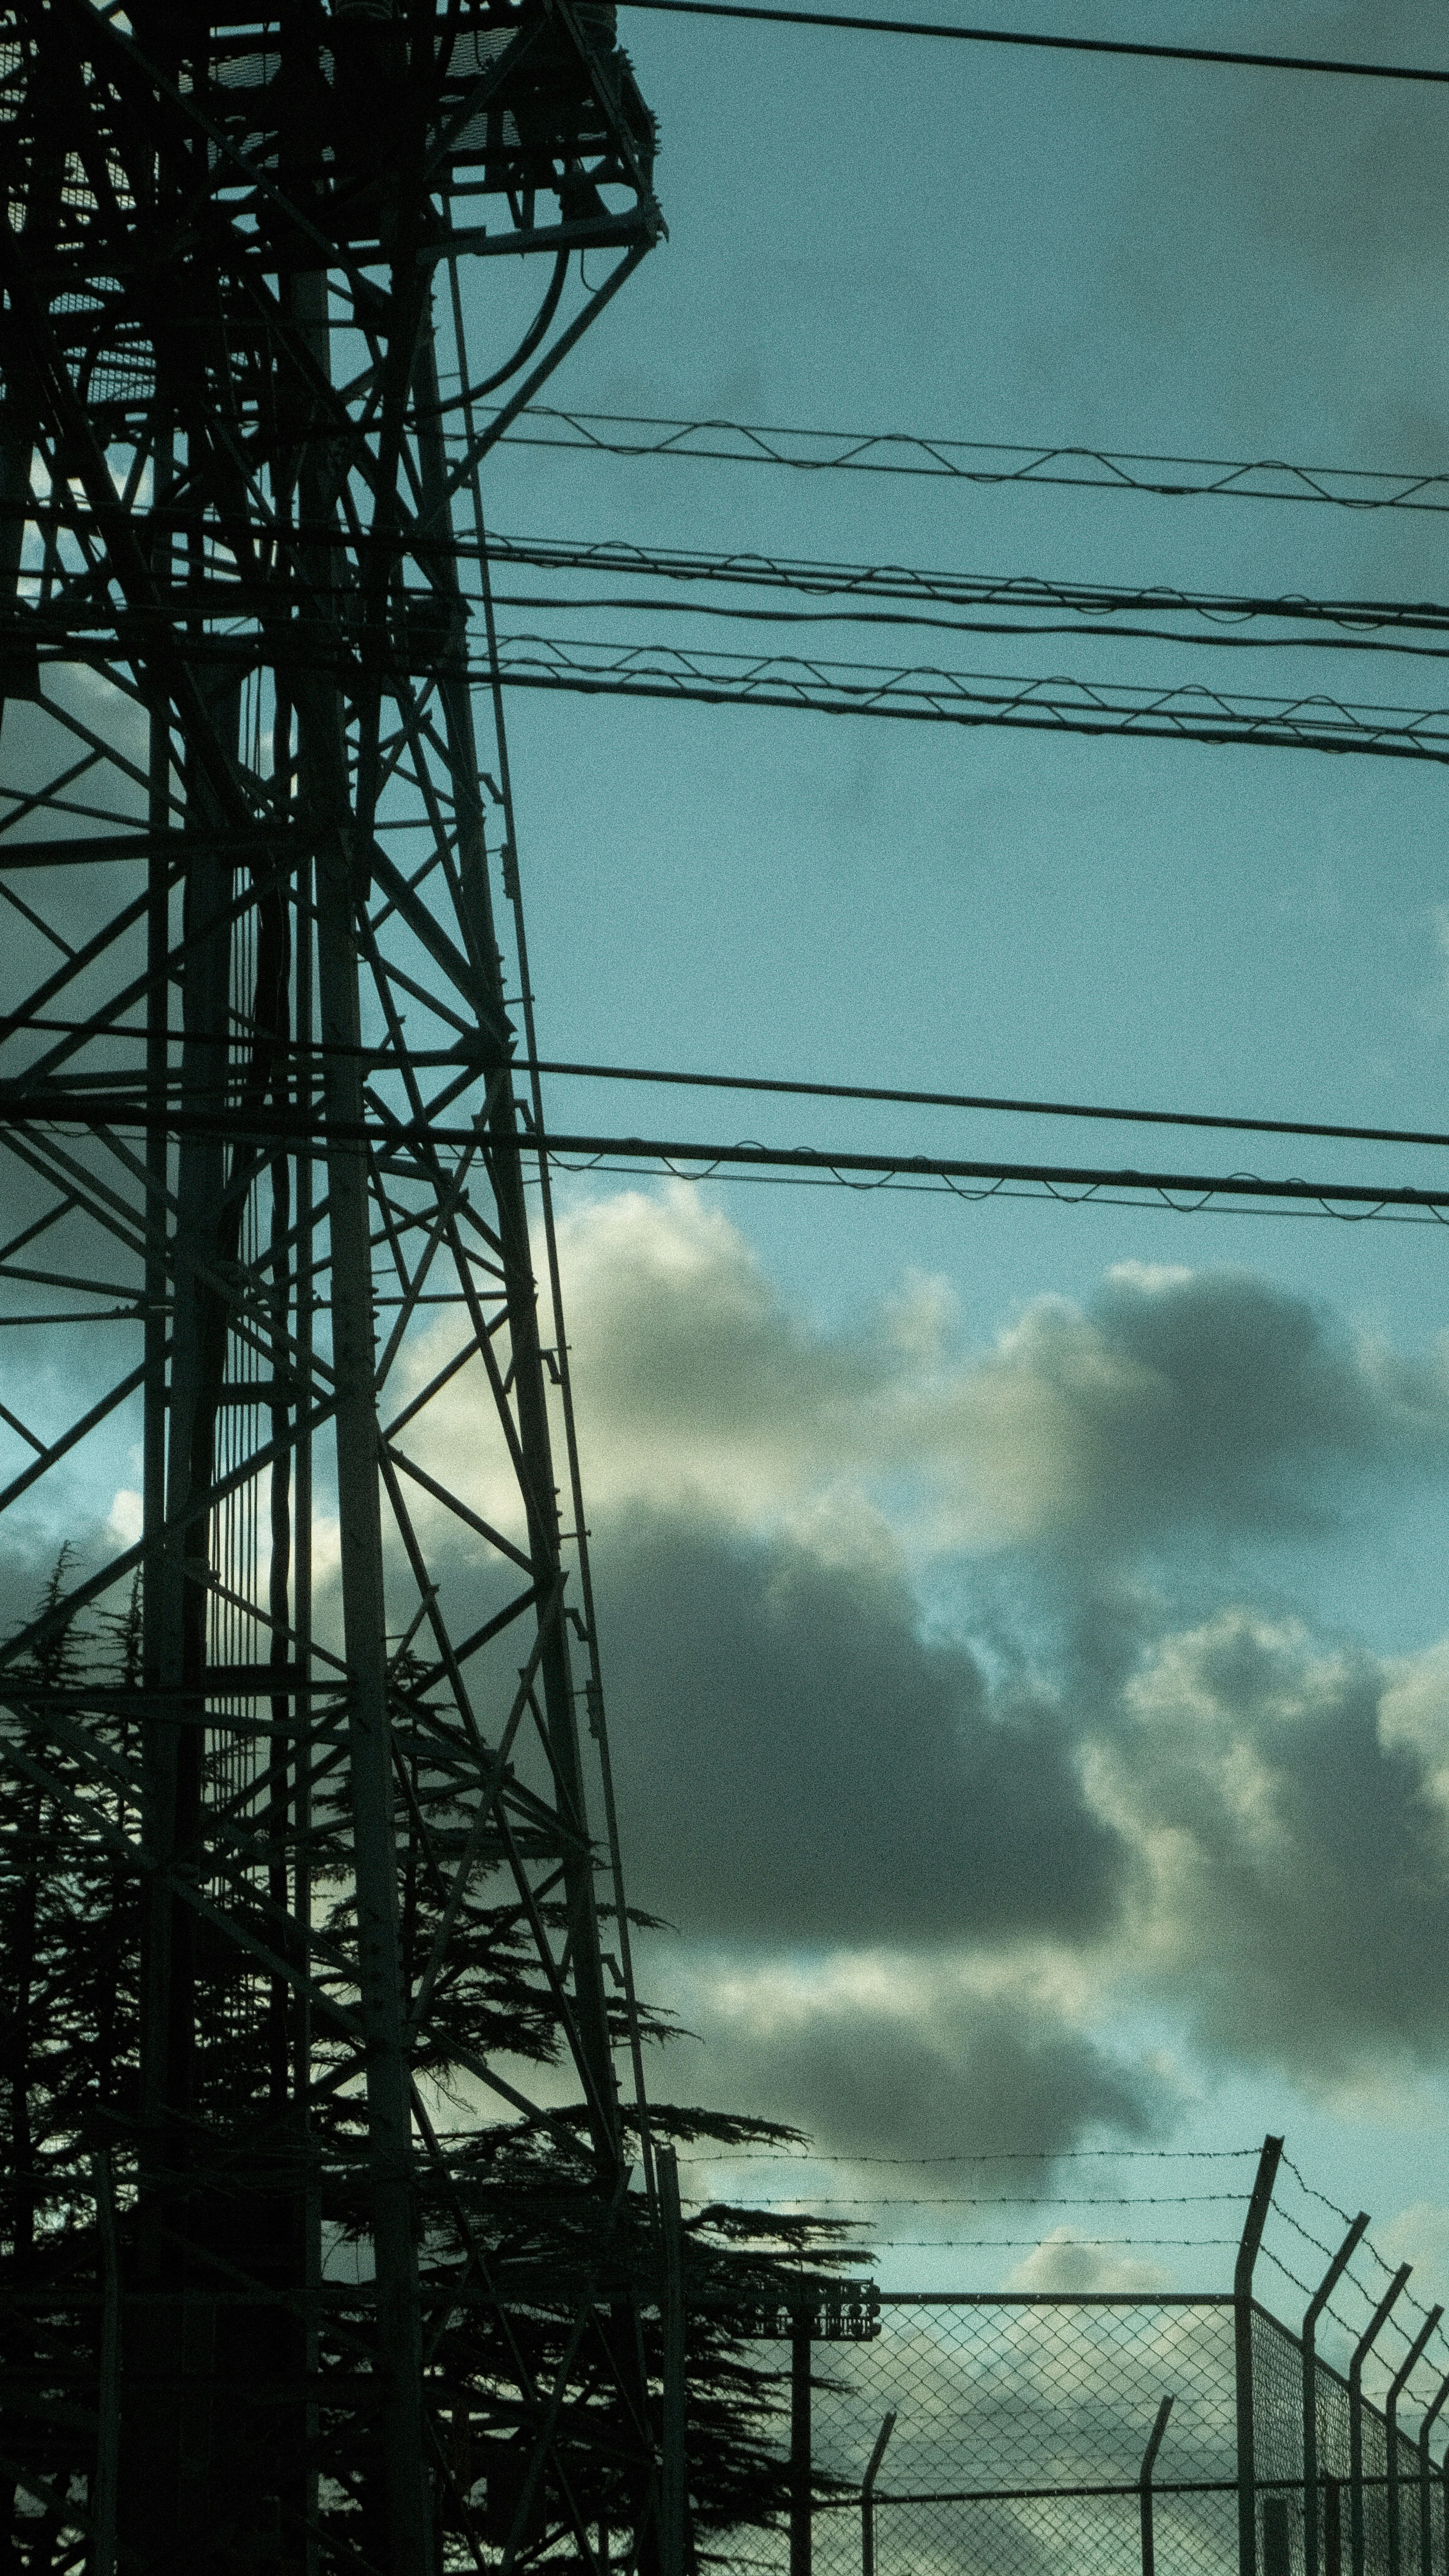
(672, 2507)
(369, 1734)
(800, 2533)
(1355, 2414)
(1252, 2238)
(1333, 2527)
(1144, 2483)
(325, 802)
(1391, 2430)
(867, 2495)
(1277, 2559)
(1313, 2312)
(108, 2411)
(1426, 2535)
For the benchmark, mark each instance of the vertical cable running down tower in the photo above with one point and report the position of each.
(248, 907)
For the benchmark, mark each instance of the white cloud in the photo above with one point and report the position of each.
(1419, 2235)
(127, 1518)
(1063, 2261)
(1175, 1400)
(1220, 1817)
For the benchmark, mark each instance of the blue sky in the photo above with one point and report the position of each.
(978, 243)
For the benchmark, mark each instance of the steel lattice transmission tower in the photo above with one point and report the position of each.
(251, 950)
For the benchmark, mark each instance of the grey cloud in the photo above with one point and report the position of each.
(1215, 1396)
(1297, 1848)
(1171, 1403)
(960, 2073)
(797, 1764)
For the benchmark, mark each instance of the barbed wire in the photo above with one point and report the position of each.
(1287, 2165)
(1039, 2244)
(1327, 2251)
(986, 2156)
(1385, 2266)
(1001, 2200)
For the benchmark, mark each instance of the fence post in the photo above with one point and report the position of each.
(867, 2496)
(1277, 2556)
(1252, 2238)
(1391, 2431)
(1426, 2531)
(1312, 2313)
(672, 2483)
(800, 2534)
(1355, 2414)
(1144, 2483)
(1333, 2527)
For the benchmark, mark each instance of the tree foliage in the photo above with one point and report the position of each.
(534, 2276)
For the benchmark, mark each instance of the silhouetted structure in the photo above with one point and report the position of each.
(250, 914)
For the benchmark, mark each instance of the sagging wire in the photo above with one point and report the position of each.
(966, 460)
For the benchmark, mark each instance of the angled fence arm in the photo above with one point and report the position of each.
(1144, 2483)
(1391, 2429)
(1252, 2238)
(1361, 2351)
(867, 2495)
(1313, 2312)
(1426, 2535)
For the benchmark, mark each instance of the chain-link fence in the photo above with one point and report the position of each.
(1003, 2434)
(1019, 2437)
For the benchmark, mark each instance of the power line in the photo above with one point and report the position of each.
(898, 595)
(919, 694)
(1070, 1181)
(965, 460)
(382, 1059)
(913, 585)
(1043, 44)
(987, 1101)
(1111, 626)
(1067, 1179)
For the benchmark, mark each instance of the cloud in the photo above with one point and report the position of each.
(877, 2054)
(1291, 1830)
(1208, 1812)
(1419, 2235)
(1063, 2261)
(799, 1764)
(1171, 1404)
(1181, 1400)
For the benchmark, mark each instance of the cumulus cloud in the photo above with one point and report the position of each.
(799, 1764)
(1100, 1758)
(874, 2053)
(1172, 1402)
(1292, 1838)
(1063, 2261)
(1419, 2235)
